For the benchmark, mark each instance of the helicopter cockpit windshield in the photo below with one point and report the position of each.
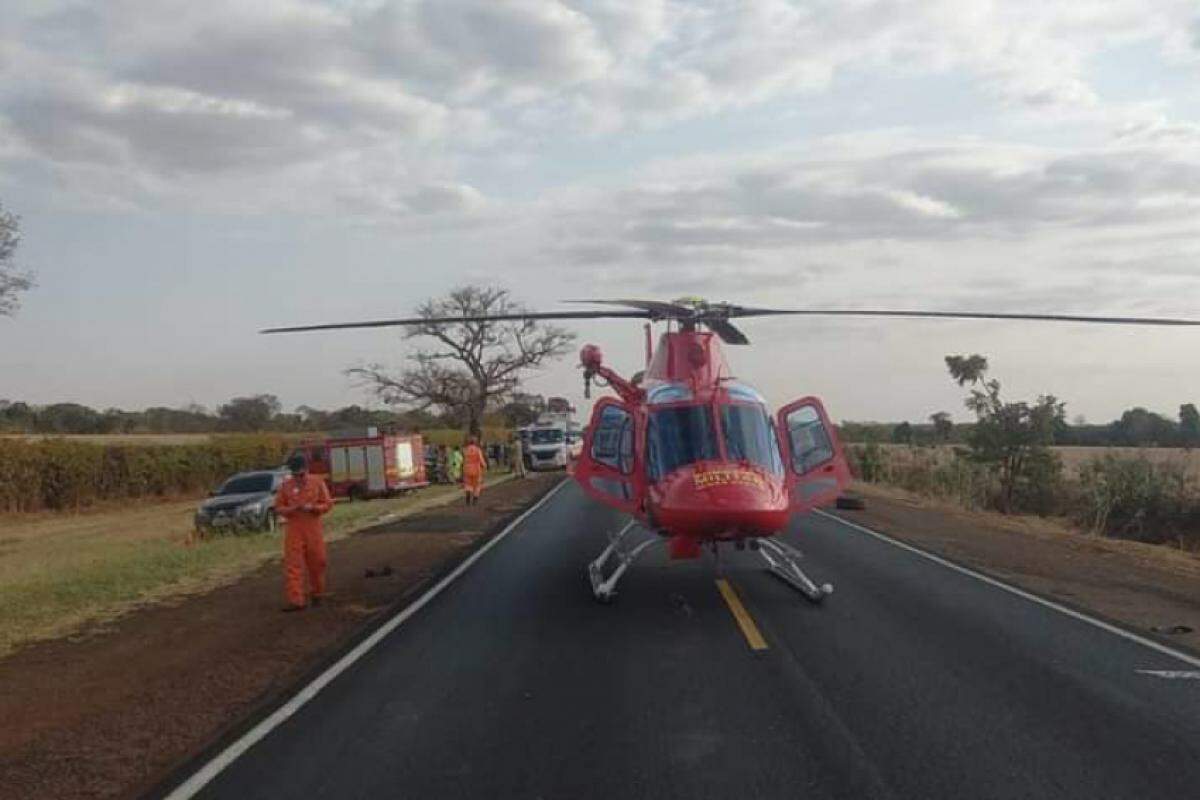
(677, 436)
(750, 436)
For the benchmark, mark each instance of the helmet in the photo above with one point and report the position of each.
(297, 463)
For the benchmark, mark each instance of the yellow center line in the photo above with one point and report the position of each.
(753, 637)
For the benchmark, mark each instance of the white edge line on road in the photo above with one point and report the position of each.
(199, 779)
(1070, 612)
(1172, 675)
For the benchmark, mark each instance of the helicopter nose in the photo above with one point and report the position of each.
(722, 498)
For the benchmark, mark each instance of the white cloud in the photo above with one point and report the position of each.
(163, 89)
(436, 198)
(1158, 128)
(890, 219)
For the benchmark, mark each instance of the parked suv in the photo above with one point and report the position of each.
(245, 502)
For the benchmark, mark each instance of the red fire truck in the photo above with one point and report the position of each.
(367, 463)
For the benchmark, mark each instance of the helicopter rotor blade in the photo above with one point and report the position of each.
(410, 321)
(717, 316)
(714, 317)
(659, 308)
(729, 333)
(708, 312)
(741, 312)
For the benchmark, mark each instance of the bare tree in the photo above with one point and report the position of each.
(475, 366)
(12, 282)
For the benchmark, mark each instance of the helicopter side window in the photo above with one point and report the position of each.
(626, 451)
(749, 436)
(678, 436)
(811, 446)
(612, 444)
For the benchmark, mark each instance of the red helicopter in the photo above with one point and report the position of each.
(694, 455)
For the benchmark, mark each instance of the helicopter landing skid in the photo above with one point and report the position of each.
(782, 561)
(605, 588)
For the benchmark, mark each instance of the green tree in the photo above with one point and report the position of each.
(902, 433)
(252, 413)
(1138, 427)
(1011, 439)
(16, 416)
(1189, 424)
(193, 419)
(967, 369)
(69, 418)
(943, 426)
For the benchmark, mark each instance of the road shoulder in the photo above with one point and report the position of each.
(1149, 589)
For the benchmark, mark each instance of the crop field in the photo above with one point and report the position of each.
(446, 436)
(1073, 458)
(116, 438)
(58, 473)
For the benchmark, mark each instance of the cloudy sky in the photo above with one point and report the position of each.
(189, 172)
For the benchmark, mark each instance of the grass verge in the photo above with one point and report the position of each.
(58, 575)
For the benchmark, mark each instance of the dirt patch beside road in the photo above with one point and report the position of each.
(110, 712)
(1146, 588)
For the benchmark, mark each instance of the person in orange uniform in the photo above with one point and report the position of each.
(474, 465)
(301, 501)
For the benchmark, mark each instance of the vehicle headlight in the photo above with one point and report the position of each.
(253, 508)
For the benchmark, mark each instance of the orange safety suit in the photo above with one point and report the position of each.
(474, 465)
(303, 546)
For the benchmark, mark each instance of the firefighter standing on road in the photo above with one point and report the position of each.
(474, 465)
(301, 501)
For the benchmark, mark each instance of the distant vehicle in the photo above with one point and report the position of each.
(366, 463)
(555, 439)
(244, 502)
(548, 446)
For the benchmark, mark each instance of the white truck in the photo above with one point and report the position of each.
(548, 448)
(554, 438)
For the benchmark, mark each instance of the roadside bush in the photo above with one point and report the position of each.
(1040, 488)
(964, 482)
(58, 474)
(912, 469)
(866, 462)
(929, 471)
(1120, 496)
(1135, 498)
(951, 474)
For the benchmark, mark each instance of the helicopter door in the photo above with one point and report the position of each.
(605, 468)
(817, 471)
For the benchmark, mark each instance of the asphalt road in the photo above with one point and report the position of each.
(912, 680)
